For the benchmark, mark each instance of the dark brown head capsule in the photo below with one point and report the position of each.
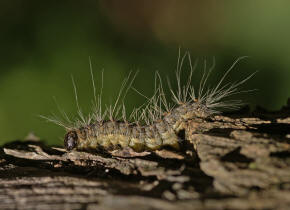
(70, 140)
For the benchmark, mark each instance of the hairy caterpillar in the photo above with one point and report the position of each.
(155, 124)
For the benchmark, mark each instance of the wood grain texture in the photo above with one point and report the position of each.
(236, 161)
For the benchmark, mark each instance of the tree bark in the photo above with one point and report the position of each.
(236, 161)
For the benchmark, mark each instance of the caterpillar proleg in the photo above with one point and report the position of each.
(156, 123)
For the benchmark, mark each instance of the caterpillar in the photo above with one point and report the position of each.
(155, 124)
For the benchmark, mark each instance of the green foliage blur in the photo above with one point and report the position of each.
(44, 43)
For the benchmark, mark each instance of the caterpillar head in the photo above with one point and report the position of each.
(71, 140)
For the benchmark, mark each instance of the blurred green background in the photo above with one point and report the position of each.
(43, 43)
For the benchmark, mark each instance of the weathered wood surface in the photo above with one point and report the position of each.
(239, 161)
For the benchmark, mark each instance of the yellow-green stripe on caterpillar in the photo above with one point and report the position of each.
(157, 123)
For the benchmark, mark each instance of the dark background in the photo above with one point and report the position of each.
(43, 43)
